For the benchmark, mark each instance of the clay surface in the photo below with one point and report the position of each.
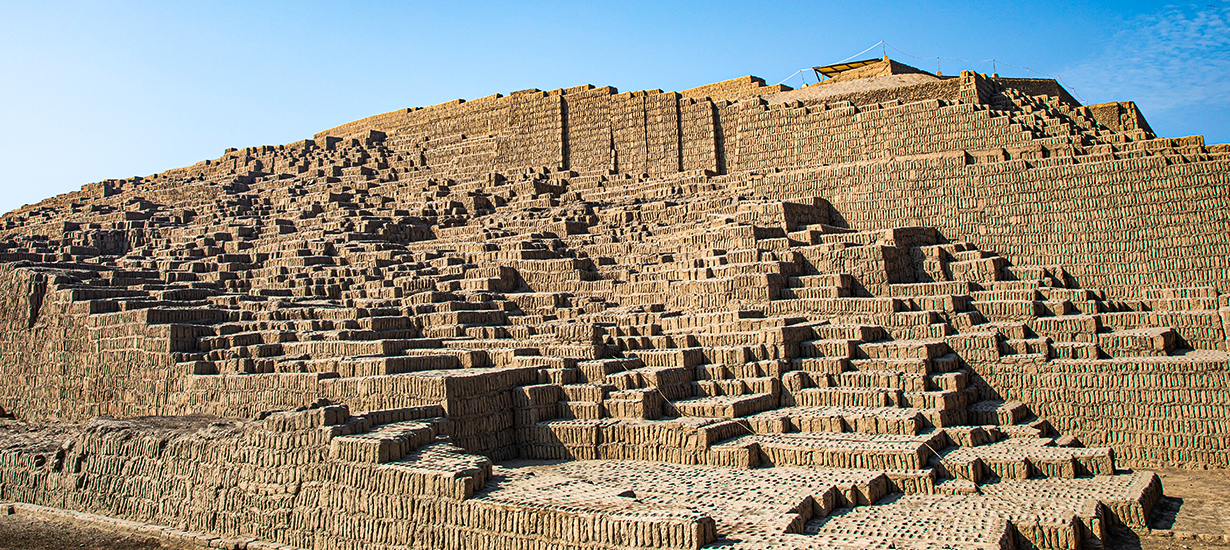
(891, 310)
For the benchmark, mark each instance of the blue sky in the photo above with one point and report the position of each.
(108, 90)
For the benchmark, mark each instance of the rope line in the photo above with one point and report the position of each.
(792, 75)
(873, 46)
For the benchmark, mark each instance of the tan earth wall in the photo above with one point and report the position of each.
(290, 480)
(1119, 224)
(70, 365)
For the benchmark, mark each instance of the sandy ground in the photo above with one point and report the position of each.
(1197, 503)
(1195, 512)
(27, 533)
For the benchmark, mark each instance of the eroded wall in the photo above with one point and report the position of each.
(1123, 223)
(301, 479)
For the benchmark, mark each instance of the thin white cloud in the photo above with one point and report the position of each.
(1174, 58)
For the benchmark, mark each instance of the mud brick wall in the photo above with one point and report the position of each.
(778, 135)
(735, 88)
(1120, 225)
(68, 364)
(381, 120)
(629, 131)
(943, 89)
(657, 133)
(171, 474)
(698, 136)
(60, 363)
(479, 117)
(1120, 116)
(477, 400)
(1036, 86)
(662, 133)
(588, 129)
(972, 88)
(1115, 218)
(1153, 413)
(582, 128)
(247, 395)
(535, 134)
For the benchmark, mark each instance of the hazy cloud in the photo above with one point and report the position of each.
(1173, 58)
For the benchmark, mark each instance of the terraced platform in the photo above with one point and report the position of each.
(584, 319)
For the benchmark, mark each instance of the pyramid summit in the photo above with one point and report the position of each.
(889, 310)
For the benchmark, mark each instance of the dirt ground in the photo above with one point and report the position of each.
(1197, 504)
(18, 532)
